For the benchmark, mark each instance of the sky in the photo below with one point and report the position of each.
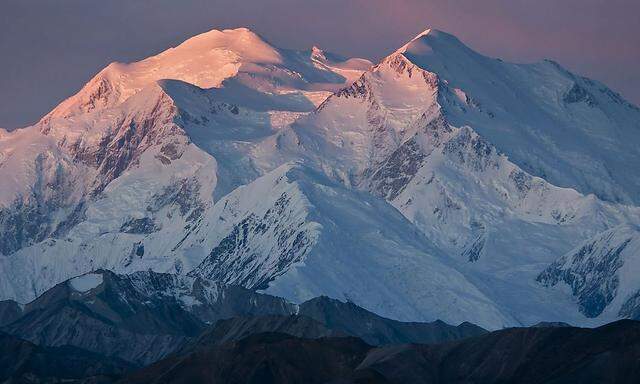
(50, 48)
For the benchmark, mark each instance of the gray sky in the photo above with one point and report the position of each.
(50, 48)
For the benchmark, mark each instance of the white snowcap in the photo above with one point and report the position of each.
(86, 282)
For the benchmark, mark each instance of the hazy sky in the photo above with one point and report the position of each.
(50, 48)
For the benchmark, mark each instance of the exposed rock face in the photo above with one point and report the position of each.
(394, 175)
(144, 225)
(631, 308)
(578, 94)
(595, 272)
(227, 262)
(31, 217)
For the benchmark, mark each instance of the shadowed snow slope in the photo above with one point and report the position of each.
(346, 244)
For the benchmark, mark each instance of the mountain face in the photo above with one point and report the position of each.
(305, 250)
(325, 317)
(246, 350)
(147, 165)
(139, 318)
(524, 355)
(348, 318)
(396, 134)
(261, 358)
(437, 184)
(9, 311)
(569, 130)
(145, 316)
(528, 355)
(601, 273)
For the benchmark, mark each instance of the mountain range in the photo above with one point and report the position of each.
(101, 327)
(436, 184)
(143, 317)
(607, 354)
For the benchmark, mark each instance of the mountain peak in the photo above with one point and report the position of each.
(423, 33)
(243, 42)
(204, 60)
(428, 41)
(216, 35)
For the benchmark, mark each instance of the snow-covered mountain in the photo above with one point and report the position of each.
(98, 134)
(318, 238)
(208, 60)
(392, 133)
(132, 169)
(438, 183)
(570, 130)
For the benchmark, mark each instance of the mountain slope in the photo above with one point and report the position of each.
(297, 234)
(601, 273)
(325, 317)
(238, 328)
(524, 355)
(570, 130)
(140, 317)
(9, 311)
(212, 160)
(376, 330)
(261, 358)
(145, 316)
(391, 133)
(128, 170)
(206, 61)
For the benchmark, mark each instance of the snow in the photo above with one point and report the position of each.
(206, 160)
(206, 61)
(437, 185)
(466, 195)
(524, 111)
(603, 271)
(86, 282)
(361, 249)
